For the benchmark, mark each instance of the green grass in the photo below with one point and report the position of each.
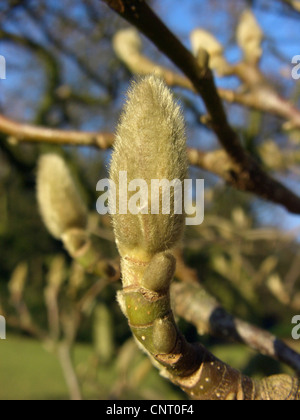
(29, 372)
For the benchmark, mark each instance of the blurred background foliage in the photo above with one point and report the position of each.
(62, 72)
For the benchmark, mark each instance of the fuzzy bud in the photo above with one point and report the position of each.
(164, 335)
(150, 145)
(127, 43)
(201, 39)
(128, 46)
(249, 37)
(159, 272)
(60, 204)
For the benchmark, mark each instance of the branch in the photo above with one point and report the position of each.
(195, 305)
(29, 133)
(250, 176)
(293, 4)
(64, 353)
(218, 162)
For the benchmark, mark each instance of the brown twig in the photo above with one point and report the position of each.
(67, 365)
(28, 133)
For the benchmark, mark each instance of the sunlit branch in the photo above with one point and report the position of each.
(28, 133)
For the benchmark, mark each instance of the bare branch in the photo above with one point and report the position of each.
(195, 305)
(66, 361)
(29, 133)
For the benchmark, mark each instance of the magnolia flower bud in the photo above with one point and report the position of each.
(126, 43)
(128, 46)
(159, 272)
(60, 204)
(202, 39)
(150, 145)
(164, 335)
(249, 37)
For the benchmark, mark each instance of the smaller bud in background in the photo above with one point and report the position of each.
(127, 45)
(164, 335)
(60, 204)
(159, 272)
(201, 39)
(249, 37)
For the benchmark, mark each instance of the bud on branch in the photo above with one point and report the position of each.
(150, 144)
(60, 205)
